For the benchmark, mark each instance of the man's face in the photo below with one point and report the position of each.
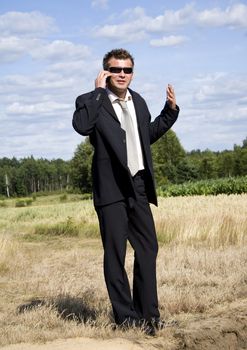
(119, 82)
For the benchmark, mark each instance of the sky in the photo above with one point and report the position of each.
(51, 52)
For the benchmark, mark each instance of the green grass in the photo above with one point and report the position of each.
(49, 217)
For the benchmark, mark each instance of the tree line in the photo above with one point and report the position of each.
(172, 165)
(28, 175)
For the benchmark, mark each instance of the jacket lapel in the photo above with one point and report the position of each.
(117, 135)
(108, 106)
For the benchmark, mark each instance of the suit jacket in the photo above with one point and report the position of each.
(95, 116)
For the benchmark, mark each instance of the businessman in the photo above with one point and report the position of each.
(120, 129)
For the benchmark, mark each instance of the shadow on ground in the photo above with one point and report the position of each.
(67, 307)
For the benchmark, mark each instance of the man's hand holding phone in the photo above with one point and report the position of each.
(102, 79)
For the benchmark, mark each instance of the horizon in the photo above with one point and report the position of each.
(67, 160)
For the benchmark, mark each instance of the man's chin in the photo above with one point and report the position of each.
(118, 89)
(122, 88)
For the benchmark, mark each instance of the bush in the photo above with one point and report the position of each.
(23, 202)
(3, 204)
(20, 203)
(232, 185)
(63, 198)
(67, 228)
(29, 201)
(86, 196)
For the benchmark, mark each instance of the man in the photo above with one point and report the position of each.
(119, 125)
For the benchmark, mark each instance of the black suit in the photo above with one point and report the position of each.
(121, 201)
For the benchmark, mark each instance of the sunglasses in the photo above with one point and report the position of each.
(117, 70)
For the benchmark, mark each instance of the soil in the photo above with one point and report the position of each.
(226, 329)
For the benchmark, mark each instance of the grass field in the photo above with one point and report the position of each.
(51, 276)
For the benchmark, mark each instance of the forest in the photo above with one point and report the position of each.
(173, 166)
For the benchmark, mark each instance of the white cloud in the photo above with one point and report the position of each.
(123, 33)
(13, 48)
(37, 107)
(213, 111)
(47, 138)
(102, 4)
(43, 108)
(133, 29)
(35, 85)
(172, 40)
(137, 25)
(26, 23)
(220, 88)
(171, 19)
(21, 33)
(234, 16)
(60, 50)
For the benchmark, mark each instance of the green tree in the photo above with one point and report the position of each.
(187, 170)
(244, 143)
(167, 153)
(225, 164)
(240, 159)
(208, 168)
(81, 167)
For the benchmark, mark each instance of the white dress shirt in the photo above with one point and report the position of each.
(118, 110)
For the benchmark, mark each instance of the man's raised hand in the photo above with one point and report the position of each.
(170, 96)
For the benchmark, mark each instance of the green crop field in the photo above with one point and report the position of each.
(234, 185)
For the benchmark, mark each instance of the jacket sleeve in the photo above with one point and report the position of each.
(87, 111)
(163, 122)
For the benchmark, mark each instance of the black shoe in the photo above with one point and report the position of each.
(149, 329)
(128, 323)
(161, 324)
(158, 324)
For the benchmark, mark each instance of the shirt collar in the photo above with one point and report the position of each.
(114, 97)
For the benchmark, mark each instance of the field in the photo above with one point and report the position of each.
(52, 286)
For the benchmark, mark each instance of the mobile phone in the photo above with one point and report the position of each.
(108, 79)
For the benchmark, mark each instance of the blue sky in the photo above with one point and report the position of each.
(51, 52)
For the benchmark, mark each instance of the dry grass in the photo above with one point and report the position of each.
(58, 280)
(215, 221)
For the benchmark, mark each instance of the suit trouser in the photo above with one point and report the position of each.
(119, 223)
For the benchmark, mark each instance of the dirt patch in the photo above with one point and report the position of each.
(78, 344)
(225, 329)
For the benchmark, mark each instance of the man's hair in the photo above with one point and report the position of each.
(119, 54)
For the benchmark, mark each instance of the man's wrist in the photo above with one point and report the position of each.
(171, 106)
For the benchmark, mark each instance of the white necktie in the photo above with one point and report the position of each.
(128, 126)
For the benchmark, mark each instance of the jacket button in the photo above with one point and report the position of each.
(124, 141)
